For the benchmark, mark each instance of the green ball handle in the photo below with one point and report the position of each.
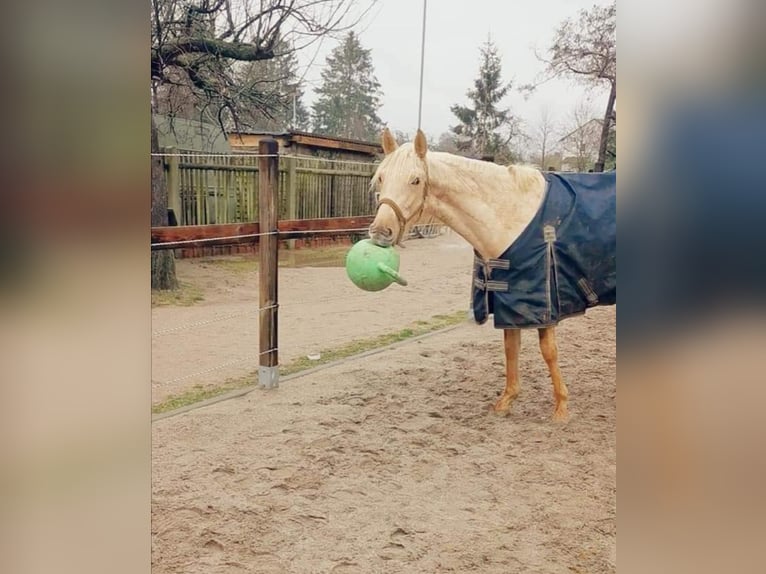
(392, 274)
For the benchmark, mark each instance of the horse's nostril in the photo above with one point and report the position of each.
(389, 232)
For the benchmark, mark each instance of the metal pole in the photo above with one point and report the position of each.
(268, 371)
(422, 58)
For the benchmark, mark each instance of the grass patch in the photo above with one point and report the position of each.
(193, 396)
(198, 394)
(185, 296)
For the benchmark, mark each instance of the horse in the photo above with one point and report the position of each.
(489, 205)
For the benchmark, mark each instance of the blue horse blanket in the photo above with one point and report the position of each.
(563, 262)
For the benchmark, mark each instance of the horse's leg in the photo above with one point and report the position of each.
(512, 343)
(551, 355)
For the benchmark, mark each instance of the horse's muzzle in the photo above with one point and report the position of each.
(381, 236)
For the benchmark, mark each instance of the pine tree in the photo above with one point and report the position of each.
(485, 129)
(349, 98)
(271, 88)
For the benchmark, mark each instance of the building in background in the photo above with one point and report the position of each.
(308, 144)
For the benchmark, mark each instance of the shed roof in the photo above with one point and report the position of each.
(316, 140)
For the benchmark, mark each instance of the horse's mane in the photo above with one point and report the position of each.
(525, 176)
(522, 177)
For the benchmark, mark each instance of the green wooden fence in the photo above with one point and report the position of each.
(215, 189)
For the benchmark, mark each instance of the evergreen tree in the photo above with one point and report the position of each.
(486, 129)
(349, 98)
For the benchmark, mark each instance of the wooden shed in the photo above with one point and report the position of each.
(308, 144)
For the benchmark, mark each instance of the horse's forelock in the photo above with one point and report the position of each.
(400, 163)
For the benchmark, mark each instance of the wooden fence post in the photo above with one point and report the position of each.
(174, 184)
(268, 205)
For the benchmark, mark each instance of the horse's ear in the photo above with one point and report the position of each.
(421, 145)
(388, 141)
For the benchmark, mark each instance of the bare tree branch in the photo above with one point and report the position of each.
(587, 50)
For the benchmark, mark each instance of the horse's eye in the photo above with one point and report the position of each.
(415, 181)
(380, 179)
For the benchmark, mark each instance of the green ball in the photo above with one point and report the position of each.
(372, 267)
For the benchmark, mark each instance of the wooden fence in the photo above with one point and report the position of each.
(266, 234)
(223, 189)
(254, 189)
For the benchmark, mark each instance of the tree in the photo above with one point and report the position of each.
(401, 137)
(163, 266)
(446, 143)
(542, 135)
(486, 129)
(349, 97)
(276, 85)
(611, 149)
(195, 45)
(587, 50)
(581, 142)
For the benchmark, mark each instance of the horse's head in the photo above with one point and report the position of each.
(401, 185)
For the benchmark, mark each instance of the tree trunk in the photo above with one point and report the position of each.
(163, 262)
(605, 129)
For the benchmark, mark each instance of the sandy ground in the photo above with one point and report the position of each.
(391, 463)
(217, 339)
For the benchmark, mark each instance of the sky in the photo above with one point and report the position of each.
(455, 30)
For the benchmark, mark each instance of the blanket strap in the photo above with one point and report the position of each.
(492, 263)
(487, 265)
(490, 285)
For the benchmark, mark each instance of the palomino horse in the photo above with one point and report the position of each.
(487, 204)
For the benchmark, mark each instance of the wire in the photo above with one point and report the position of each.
(209, 321)
(219, 367)
(332, 231)
(197, 154)
(207, 239)
(278, 233)
(330, 160)
(257, 155)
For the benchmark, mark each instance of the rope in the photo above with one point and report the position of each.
(422, 60)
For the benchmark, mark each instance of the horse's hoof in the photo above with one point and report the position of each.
(499, 410)
(560, 416)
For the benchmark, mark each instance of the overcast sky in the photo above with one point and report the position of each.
(455, 29)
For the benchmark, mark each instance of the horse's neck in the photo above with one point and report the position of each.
(485, 206)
